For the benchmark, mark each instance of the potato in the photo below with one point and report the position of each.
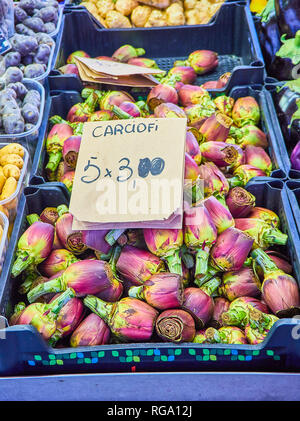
(125, 6)
(12, 148)
(11, 170)
(140, 15)
(175, 15)
(2, 178)
(117, 20)
(160, 4)
(11, 158)
(9, 188)
(91, 7)
(156, 18)
(189, 4)
(104, 6)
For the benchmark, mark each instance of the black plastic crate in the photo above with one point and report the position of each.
(271, 86)
(293, 192)
(61, 102)
(232, 35)
(25, 352)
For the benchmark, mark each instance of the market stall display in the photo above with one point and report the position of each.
(149, 14)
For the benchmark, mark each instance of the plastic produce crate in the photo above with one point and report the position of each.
(30, 137)
(285, 150)
(61, 102)
(232, 35)
(25, 352)
(293, 191)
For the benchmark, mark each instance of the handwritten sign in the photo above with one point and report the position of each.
(111, 72)
(130, 171)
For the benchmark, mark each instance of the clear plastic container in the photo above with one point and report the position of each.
(59, 21)
(11, 203)
(28, 137)
(4, 238)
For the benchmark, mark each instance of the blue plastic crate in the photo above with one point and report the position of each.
(232, 35)
(25, 352)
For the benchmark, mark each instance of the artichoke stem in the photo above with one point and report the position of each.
(263, 260)
(21, 263)
(136, 292)
(113, 235)
(201, 262)
(33, 217)
(55, 285)
(99, 307)
(120, 113)
(235, 182)
(174, 263)
(54, 160)
(62, 209)
(275, 236)
(211, 286)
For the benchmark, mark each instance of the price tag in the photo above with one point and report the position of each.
(130, 171)
(4, 43)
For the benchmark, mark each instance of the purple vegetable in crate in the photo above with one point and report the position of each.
(221, 305)
(68, 318)
(138, 265)
(161, 93)
(34, 23)
(33, 247)
(216, 127)
(191, 94)
(20, 14)
(69, 69)
(130, 320)
(126, 52)
(13, 58)
(84, 277)
(226, 335)
(295, 157)
(243, 282)
(175, 326)
(48, 14)
(231, 250)
(259, 326)
(54, 144)
(70, 150)
(28, 5)
(19, 88)
(57, 260)
(279, 290)
(12, 75)
(30, 113)
(34, 70)
(24, 30)
(23, 44)
(91, 331)
(28, 59)
(192, 147)
(240, 202)
(12, 124)
(222, 154)
(199, 303)
(42, 54)
(44, 39)
(43, 316)
(33, 97)
(169, 110)
(219, 214)
(161, 291)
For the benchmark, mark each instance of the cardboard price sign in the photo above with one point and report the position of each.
(130, 173)
(110, 72)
